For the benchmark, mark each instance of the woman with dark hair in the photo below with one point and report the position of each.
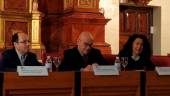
(137, 50)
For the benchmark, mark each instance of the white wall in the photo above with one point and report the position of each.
(165, 26)
(111, 8)
(161, 35)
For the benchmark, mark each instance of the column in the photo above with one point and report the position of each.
(36, 44)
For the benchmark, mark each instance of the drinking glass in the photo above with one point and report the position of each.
(57, 61)
(124, 62)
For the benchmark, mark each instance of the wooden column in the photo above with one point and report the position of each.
(36, 44)
(1, 26)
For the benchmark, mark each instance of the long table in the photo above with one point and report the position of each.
(128, 83)
(157, 85)
(56, 84)
(125, 84)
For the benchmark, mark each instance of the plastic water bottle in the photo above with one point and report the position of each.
(117, 63)
(48, 63)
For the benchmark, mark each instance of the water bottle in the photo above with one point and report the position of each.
(117, 63)
(48, 63)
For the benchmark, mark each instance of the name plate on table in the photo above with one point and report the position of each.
(163, 70)
(32, 71)
(105, 70)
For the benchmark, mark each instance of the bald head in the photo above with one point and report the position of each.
(86, 36)
(85, 42)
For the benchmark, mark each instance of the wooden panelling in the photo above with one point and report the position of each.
(64, 31)
(157, 85)
(56, 84)
(56, 6)
(13, 26)
(76, 23)
(68, 5)
(119, 85)
(16, 5)
(134, 19)
(15, 17)
(66, 19)
(87, 6)
(52, 6)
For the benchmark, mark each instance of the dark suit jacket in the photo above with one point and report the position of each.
(141, 64)
(73, 61)
(11, 60)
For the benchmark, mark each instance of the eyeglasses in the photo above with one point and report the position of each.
(24, 42)
(88, 44)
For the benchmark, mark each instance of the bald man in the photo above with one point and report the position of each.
(19, 55)
(83, 56)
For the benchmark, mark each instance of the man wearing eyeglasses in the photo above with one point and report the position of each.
(83, 56)
(19, 55)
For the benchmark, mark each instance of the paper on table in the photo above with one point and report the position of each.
(163, 70)
(105, 70)
(32, 71)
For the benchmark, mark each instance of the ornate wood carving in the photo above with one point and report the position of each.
(76, 23)
(66, 21)
(17, 15)
(68, 4)
(86, 5)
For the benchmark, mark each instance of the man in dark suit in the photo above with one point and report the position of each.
(19, 55)
(82, 57)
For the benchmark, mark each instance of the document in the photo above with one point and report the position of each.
(105, 70)
(32, 71)
(163, 70)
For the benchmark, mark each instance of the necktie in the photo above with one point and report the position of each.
(23, 59)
